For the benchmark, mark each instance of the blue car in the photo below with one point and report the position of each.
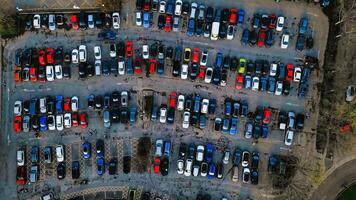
(197, 104)
(170, 7)
(133, 111)
(86, 150)
(248, 81)
(178, 53)
(212, 106)
(244, 108)
(59, 104)
(100, 166)
(271, 84)
(160, 67)
(226, 126)
(107, 35)
(256, 21)
(244, 37)
(167, 148)
(305, 74)
(128, 64)
(105, 69)
(191, 151)
(237, 157)
(219, 60)
(228, 108)
(209, 152)
(34, 154)
(146, 20)
(281, 71)
(211, 173)
(263, 83)
(303, 25)
(241, 17)
(191, 27)
(256, 131)
(233, 128)
(202, 121)
(299, 46)
(265, 131)
(43, 123)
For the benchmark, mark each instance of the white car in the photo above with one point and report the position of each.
(186, 119)
(235, 174)
(180, 166)
(20, 157)
(43, 105)
(196, 170)
(145, 51)
(75, 56)
(279, 88)
(60, 153)
(121, 65)
(112, 50)
(200, 153)
(18, 108)
(67, 120)
(74, 103)
(273, 69)
(230, 32)
(204, 106)
(208, 74)
(138, 18)
(59, 122)
(280, 23)
(97, 66)
(288, 139)
(284, 41)
(184, 72)
(193, 10)
(297, 74)
(163, 115)
(51, 121)
(204, 58)
(51, 22)
(350, 92)
(162, 6)
(97, 52)
(204, 169)
(178, 7)
(246, 175)
(82, 53)
(58, 71)
(49, 73)
(226, 158)
(245, 159)
(180, 105)
(255, 83)
(116, 20)
(159, 146)
(91, 21)
(188, 167)
(36, 21)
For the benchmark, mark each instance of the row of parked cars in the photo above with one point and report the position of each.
(73, 21)
(115, 107)
(48, 113)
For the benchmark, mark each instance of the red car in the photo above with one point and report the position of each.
(83, 120)
(196, 55)
(17, 74)
(21, 175)
(156, 165)
(153, 66)
(147, 5)
(272, 21)
(74, 22)
(50, 56)
(42, 57)
(239, 81)
(266, 116)
(137, 66)
(75, 119)
(201, 72)
(168, 24)
(261, 38)
(172, 99)
(33, 74)
(290, 70)
(67, 104)
(18, 124)
(233, 16)
(129, 49)
(42, 74)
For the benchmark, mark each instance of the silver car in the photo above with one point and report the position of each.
(107, 119)
(26, 124)
(124, 98)
(248, 130)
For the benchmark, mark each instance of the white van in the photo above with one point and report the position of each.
(215, 31)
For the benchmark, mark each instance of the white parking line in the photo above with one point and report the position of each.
(8, 94)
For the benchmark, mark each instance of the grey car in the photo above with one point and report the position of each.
(26, 124)
(107, 119)
(47, 154)
(124, 99)
(175, 24)
(34, 173)
(248, 130)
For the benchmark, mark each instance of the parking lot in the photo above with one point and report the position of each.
(122, 139)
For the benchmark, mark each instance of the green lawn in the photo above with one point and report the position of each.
(349, 194)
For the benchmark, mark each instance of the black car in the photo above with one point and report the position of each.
(82, 21)
(161, 51)
(188, 103)
(98, 102)
(75, 170)
(217, 124)
(309, 42)
(124, 116)
(258, 67)
(176, 69)
(146, 196)
(216, 76)
(252, 38)
(139, 4)
(121, 49)
(90, 70)
(209, 15)
(265, 67)
(169, 52)
(264, 21)
(269, 38)
(207, 29)
(212, 106)
(219, 170)
(255, 159)
(100, 151)
(113, 67)
(300, 121)
(170, 115)
(82, 70)
(250, 67)
(256, 131)
(226, 62)
(194, 71)
(222, 31)
(44, 20)
(225, 15)
(105, 69)
(161, 21)
(185, 8)
(300, 42)
(113, 166)
(91, 101)
(234, 63)
(26, 106)
(61, 170)
(199, 28)
(286, 88)
(66, 72)
(127, 164)
(35, 123)
(58, 58)
(224, 76)
(194, 119)
(204, 168)
(154, 6)
(98, 20)
(254, 176)
(153, 49)
(164, 165)
(182, 151)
